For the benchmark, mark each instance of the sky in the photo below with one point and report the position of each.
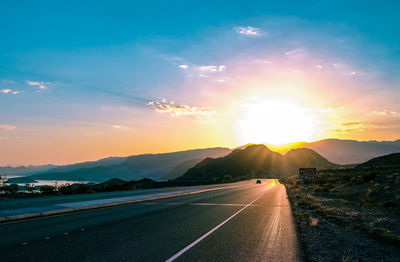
(83, 80)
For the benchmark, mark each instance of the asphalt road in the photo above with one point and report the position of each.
(51, 200)
(250, 222)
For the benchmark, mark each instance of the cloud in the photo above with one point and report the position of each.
(41, 85)
(385, 112)
(181, 110)
(202, 70)
(352, 124)
(212, 68)
(6, 91)
(208, 68)
(298, 52)
(248, 30)
(7, 127)
(120, 127)
(353, 127)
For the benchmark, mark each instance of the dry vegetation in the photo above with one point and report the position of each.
(348, 215)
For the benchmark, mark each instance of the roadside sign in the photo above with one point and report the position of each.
(305, 173)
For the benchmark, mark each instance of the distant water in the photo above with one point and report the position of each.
(51, 182)
(12, 176)
(59, 182)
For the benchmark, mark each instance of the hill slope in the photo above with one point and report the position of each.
(254, 161)
(180, 169)
(391, 160)
(152, 166)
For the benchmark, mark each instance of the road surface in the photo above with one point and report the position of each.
(248, 222)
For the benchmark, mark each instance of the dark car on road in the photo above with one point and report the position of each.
(258, 181)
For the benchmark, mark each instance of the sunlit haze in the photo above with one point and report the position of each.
(276, 123)
(85, 80)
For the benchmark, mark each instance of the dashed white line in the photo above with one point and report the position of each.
(210, 232)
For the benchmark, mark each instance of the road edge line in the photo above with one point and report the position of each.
(49, 213)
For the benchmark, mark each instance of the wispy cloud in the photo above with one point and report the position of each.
(352, 124)
(352, 127)
(202, 70)
(7, 127)
(297, 52)
(384, 112)
(248, 30)
(211, 68)
(9, 91)
(120, 127)
(173, 109)
(41, 85)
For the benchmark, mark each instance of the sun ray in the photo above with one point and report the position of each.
(276, 123)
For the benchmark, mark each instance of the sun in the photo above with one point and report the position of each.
(276, 123)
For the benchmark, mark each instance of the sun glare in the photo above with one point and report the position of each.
(276, 123)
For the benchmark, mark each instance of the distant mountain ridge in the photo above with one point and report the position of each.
(20, 170)
(152, 166)
(252, 162)
(344, 151)
(109, 161)
(353, 151)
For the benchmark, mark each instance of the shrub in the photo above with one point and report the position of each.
(365, 177)
(66, 189)
(13, 188)
(346, 177)
(389, 204)
(83, 188)
(29, 187)
(372, 190)
(47, 190)
(303, 203)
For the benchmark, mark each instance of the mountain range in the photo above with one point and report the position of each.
(169, 166)
(152, 166)
(353, 151)
(21, 170)
(254, 161)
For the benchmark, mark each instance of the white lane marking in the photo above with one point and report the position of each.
(209, 232)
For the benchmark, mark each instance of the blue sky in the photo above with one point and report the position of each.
(75, 75)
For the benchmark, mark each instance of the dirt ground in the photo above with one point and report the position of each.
(339, 219)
